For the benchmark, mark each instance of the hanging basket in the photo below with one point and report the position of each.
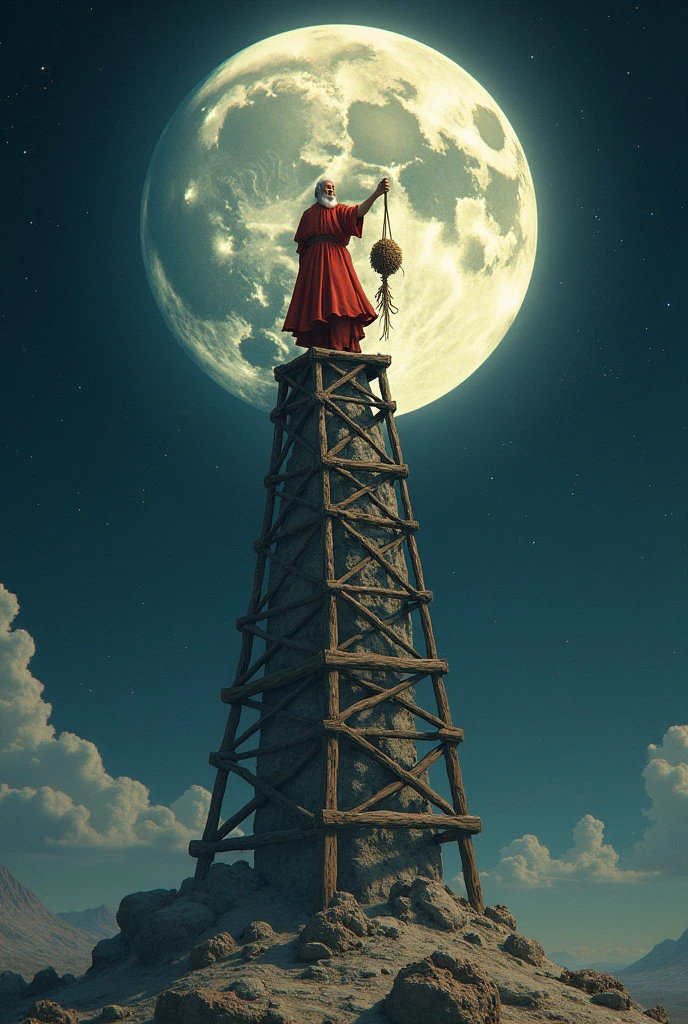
(386, 258)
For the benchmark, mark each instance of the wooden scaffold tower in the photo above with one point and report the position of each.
(326, 705)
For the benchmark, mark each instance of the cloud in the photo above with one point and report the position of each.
(55, 795)
(663, 850)
(526, 862)
(664, 847)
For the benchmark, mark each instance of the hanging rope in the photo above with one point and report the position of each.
(385, 259)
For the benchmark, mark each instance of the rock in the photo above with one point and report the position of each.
(473, 937)
(252, 950)
(257, 930)
(13, 989)
(220, 888)
(108, 951)
(516, 994)
(591, 981)
(135, 909)
(429, 902)
(48, 1012)
(615, 1000)
(432, 904)
(47, 980)
(501, 915)
(315, 973)
(218, 947)
(171, 929)
(401, 907)
(315, 951)
(387, 926)
(249, 989)
(206, 1006)
(524, 949)
(368, 972)
(443, 990)
(113, 1012)
(340, 927)
(658, 1012)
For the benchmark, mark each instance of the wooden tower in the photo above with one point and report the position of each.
(326, 704)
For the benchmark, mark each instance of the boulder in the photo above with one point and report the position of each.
(428, 902)
(206, 1006)
(340, 927)
(257, 930)
(113, 1012)
(473, 938)
(516, 994)
(253, 950)
(433, 905)
(218, 947)
(315, 951)
(501, 915)
(137, 908)
(48, 1012)
(171, 930)
(47, 980)
(658, 1012)
(249, 989)
(387, 926)
(13, 989)
(615, 1000)
(443, 990)
(591, 981)
(528, 950)
(316, 973)
(109, 951)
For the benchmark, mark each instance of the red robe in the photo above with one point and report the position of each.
(329, 308)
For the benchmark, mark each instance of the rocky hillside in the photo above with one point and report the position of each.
(98, 922)
(665, 970)
(232, 950)
(32, 937)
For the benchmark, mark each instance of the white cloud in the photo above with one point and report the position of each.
(663, 850)
(55, 794)
(664, 847)
(528, 863)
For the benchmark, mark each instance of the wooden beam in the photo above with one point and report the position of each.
(433, 755)
(199, 848)
(467, 824)
(367, 659)
(259, 800)
(396, 769)
(263, 787)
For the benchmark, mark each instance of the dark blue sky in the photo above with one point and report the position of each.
(550, 487)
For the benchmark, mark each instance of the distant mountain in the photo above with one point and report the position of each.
(573, 963)
(32, 937)
(98, 923)
(662, 977)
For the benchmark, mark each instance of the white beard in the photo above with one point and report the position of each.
(329, 201)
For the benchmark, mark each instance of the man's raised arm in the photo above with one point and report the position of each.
(383, 186)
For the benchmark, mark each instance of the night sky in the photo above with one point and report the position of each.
(550, 486)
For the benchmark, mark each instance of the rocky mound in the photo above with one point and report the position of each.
(232, 950)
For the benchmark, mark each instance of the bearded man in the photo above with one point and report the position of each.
(329, 308)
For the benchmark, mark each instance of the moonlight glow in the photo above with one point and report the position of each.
(236, 167)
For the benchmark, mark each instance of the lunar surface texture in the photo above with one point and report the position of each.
(237, 165)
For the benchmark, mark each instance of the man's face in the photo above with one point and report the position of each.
(328, 195)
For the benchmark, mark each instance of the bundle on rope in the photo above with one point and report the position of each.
(385, 259)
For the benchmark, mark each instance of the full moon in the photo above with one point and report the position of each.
(236, 167)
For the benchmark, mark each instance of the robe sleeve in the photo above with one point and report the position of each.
(301, 237)
(349, 221)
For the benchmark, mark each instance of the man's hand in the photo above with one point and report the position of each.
(383, 186)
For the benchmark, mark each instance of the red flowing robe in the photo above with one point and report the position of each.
(329, 308)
